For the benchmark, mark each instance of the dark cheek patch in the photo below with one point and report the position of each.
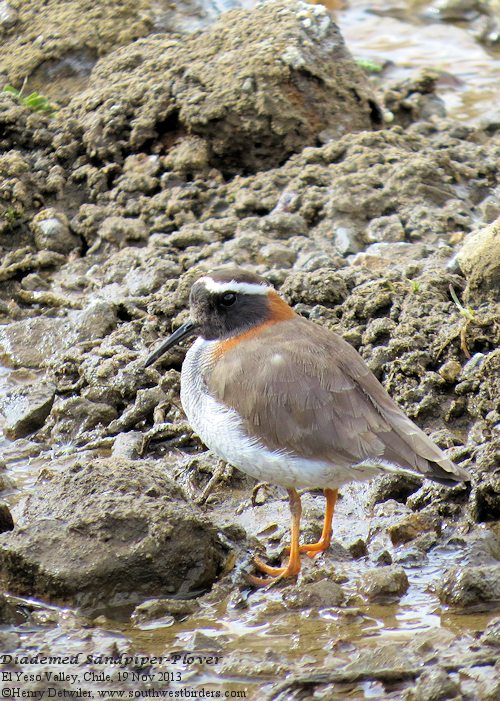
(218, 322)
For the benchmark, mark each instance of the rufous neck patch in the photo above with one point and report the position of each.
(279, 311)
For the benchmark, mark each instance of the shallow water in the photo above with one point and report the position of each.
(22, 465)
(404, 37)
(265, 647)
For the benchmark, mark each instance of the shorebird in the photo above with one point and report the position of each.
(290, 402)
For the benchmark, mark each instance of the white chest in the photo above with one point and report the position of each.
(208, 418)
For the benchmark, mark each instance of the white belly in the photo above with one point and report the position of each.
(222, 432)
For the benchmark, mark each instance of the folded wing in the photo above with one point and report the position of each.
(303, 389)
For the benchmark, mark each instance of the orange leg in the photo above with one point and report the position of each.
(323, 543)
(293, 567)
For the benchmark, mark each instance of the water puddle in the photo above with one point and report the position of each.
(402, 37)
(9, 380)
(22, 458)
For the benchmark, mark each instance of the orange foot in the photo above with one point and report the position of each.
(277, 573)
(293, 567)
(313, 549)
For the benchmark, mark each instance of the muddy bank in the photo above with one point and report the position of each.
(165, 166)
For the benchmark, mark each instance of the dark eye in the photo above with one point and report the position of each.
(228, 299)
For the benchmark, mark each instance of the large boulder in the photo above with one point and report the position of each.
(257, 86)
(110, 530)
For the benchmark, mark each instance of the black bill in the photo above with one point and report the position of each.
(185, 330)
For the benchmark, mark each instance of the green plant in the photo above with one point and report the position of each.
(468, 315)
(34, 101)
(466, 312)
(369, 66)
(11, 216)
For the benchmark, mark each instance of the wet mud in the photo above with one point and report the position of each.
(258, 142)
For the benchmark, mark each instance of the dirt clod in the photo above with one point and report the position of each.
(384, 583)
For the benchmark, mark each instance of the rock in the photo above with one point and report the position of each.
(450, 371)
(397, 251)
(7, 617)
(485, 499)
(387, 228)
(479, 259)
(385, 662)
(147, 400)
(318, 287)
(435, 685)
(257, 86)
(357, 548)
(491, 635)
(18, 190)
(31, 342)
(75, 415)
(143, 281)
(128, 445)
(383, 558)
(283, 225)
(201, 641)
(397, 487)
(34, 282)
(51, 230)
(378, 331)
(455, 10)
(8, 15)
(191, 155)
(62, 39)
(108, 530)
(384, 583)
(473, 366)
(346, 240)
(310, 261)
(322, 594)
(490, 206)
(489, 685)
(155, 609)
(413, 526)
(26, 408)
(414, 98)
(122, 230)
(6, 482)
(277, 255)
(463, 587)
(27, 343)
(481, 546)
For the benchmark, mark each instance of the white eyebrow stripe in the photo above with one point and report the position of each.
(247, 288)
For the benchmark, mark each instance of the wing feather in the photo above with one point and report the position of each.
(303, 389)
